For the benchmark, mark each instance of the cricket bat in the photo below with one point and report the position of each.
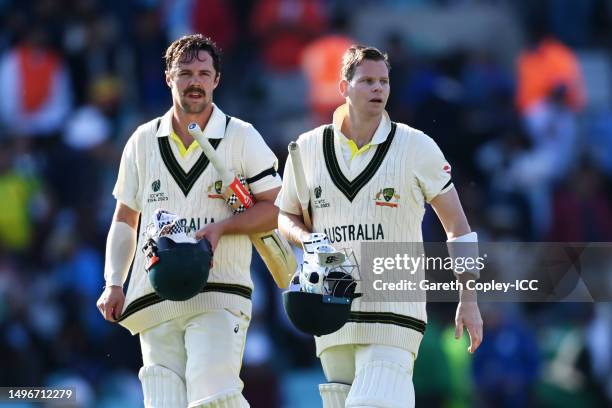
(274, 250)
(300, 183)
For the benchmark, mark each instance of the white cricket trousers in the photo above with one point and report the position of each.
(367, 376)
(204, 350)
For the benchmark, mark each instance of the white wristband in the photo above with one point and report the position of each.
(466, 247)
(120, 249)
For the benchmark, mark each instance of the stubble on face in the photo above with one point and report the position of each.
(190, 106)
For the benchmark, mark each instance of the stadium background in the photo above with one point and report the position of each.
(517, 94)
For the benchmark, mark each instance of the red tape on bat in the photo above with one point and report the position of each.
(241, 193)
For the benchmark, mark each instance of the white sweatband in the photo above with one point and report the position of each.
(465, 248)
(120, 249)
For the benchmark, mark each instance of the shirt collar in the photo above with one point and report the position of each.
(380, 135)
(215, 128)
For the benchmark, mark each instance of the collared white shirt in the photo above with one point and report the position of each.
(356, 158)
(214, 129)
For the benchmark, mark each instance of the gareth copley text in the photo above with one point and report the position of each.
(470, 284)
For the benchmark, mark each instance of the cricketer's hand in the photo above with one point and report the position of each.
(110, 303)
(468, 316)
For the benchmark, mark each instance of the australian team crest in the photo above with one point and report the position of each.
(387, 197)
(318, 192)
(388, 193)
(214, 190)
(156, 185)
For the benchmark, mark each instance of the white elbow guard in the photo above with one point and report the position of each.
(463, 251)
(120, 248)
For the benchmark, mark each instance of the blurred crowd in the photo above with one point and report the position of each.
(522, 111)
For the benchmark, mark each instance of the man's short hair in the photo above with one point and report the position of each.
(187, 48)
(356, 54)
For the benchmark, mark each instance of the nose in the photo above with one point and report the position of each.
(195, 82)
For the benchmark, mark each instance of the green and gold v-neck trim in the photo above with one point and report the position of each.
(350, 189)
(185, 180)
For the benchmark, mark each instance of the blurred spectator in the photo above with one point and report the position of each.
(149, 46)
(35, 92)
(85, 147)
(552, 127)
(321, 63)
(581, 210)
(507, 212)
(93, 46)
(484, 78)
(284, 27)
(544, 65)
(215, 18)
(18, 190)
(177, 18)
(281, 29)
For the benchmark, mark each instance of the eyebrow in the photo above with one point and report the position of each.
(191, 70)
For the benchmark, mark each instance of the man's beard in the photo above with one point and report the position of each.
(195, 107)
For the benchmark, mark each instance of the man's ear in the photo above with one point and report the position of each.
(217, 79)
(168, 79)
(343, 86)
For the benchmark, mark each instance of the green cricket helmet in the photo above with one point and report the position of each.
(177, 264)
(316, 314)
(178, 270)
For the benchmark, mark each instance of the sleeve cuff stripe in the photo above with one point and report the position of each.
(268, 172)
(450, 181)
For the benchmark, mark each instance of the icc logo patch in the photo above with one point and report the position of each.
(318, 201)
(156, 195)
(387, 197)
